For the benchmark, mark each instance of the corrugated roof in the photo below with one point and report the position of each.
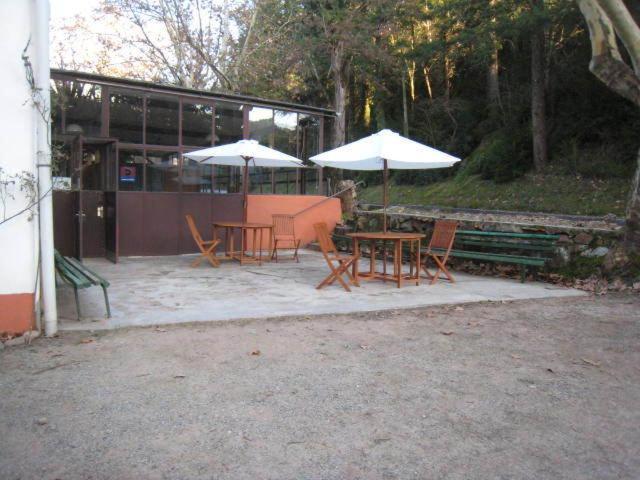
(162, 88)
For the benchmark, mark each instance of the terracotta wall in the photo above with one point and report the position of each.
(262, 207)
(16, 313)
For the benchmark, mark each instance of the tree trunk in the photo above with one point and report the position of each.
(405, 113)
(493, 85)
(340, 80)
(447, 73)
(427, 82)
(411, 71)
(605, 19)
(538, 98)
(493, 80)
(632, 226)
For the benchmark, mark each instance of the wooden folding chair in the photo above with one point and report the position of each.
(331, 255)
(284, 232)
(207, 247)
(444, 233)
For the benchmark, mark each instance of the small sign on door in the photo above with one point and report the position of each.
(128, 174)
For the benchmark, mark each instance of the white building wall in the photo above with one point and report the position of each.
(19, 236)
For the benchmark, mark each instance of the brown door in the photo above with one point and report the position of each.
(96, 210)
(111, 226)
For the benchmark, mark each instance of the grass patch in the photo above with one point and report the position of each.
(581, 267)
(534, 193)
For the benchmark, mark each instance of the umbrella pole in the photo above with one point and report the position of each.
(245, 189)
(385, 195)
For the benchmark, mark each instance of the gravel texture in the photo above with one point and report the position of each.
(545, 389)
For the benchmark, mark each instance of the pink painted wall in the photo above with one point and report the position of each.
(262, 207)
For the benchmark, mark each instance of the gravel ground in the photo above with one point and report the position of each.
(525, 390)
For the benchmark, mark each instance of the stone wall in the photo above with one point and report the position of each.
(582, 239)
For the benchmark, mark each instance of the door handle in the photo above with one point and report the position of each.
(100, 211)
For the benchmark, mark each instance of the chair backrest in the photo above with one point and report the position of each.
(444, 233)
(194, 230)
(283, 225)
(324, 238)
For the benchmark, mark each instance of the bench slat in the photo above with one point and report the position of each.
(87, 272)
(480, 233)
(497, 257)
(500, 244)
(69, 273)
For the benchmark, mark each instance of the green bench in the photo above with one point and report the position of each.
(529, 250)
(79, 276)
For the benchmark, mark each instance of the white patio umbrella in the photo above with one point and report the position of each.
(244, 153)
(384, 150)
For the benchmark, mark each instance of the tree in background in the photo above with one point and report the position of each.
(496, 82)
(606, 19)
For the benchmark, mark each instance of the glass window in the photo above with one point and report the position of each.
(196, 124)
(196, 177)
(328, 133)
(226, 179)
(162, 121)
(310, 181)
(260, 179)
(63, 170)
(228, 123)
(308, 136)
(125, 117)
(80, 107)
(56, 108)
(285, 132)
(130, 170)
(285, 179)
(261, 125)
(162, 171)
(93, 167)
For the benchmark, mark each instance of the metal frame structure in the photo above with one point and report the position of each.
(162, 206)
(190, 96)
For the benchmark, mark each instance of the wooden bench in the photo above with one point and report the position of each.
(78, 275)
(529, 250)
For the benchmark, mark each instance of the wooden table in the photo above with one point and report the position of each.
(256, 230)
(397, 239)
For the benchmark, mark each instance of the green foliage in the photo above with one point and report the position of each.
(533, 193)
(443, 52)
(503, 156)
(582, 267)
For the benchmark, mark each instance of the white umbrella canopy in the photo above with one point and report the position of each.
(370, 152)
(383, 151)
(244, 153)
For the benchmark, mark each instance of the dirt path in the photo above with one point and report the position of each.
(524, 390)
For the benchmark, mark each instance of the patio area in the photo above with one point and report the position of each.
(166, 290)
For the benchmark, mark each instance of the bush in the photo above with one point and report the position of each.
(503, 156)
(610, 160)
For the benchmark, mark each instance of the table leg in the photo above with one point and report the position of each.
(260, 247)
(418, 262)
(411, 254)
(395, 262)
(215, 236)
(372, 258)
(255, 238)
(356, 252)
(243, 235)
(384, 260)
(230, 242)
(398, 262)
